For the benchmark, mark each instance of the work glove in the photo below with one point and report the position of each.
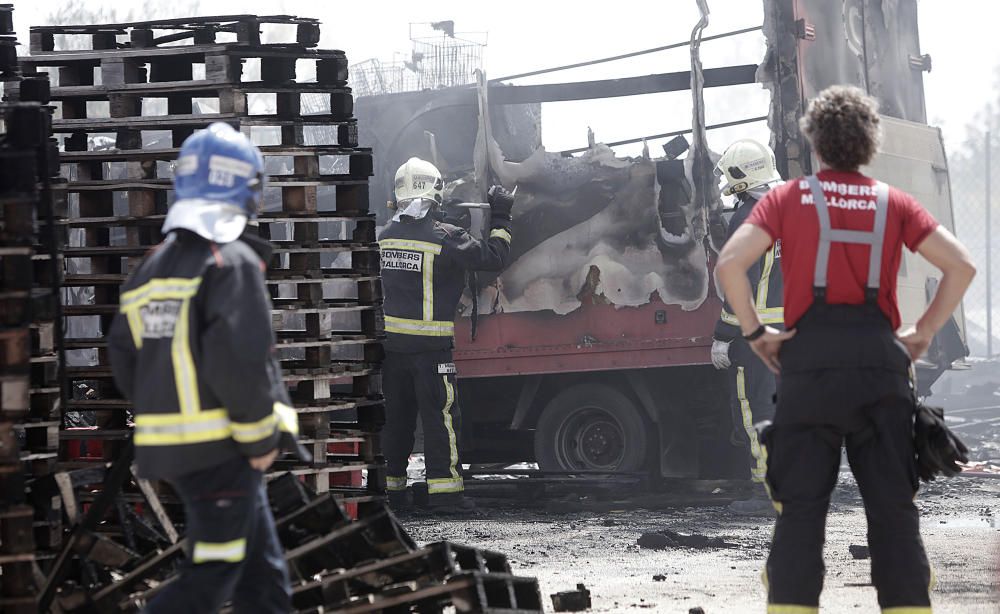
(501, 202)
(720, 354)
(939, 450)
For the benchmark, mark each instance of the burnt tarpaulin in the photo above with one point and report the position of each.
(594, 228)
(588, 228)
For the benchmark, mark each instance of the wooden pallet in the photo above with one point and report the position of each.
(17, 552)
(242, 29)
(30, 335)
(432, 564)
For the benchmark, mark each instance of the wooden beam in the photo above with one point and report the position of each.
(612, 88)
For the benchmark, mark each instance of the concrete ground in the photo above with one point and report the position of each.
(570, 540)
(961, 528)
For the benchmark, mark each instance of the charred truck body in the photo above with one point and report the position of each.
(591, 351)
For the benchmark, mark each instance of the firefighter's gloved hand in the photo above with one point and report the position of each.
(501, 202)
(720, 354)
(939, 450)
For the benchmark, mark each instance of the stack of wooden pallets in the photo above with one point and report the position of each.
(30, 340)
(127, 96)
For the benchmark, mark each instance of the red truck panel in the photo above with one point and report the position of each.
(593, 338)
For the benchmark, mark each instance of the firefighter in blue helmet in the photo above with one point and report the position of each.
(192, 348)
(424, 262)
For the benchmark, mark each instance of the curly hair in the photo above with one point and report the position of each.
(843, 125)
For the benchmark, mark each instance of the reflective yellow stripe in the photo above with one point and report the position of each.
(185, 376)
(907, 610)
(445, 485)
(162, 288)
(501, 233)
(760, 469)
(771, 315)
(428, 275)
(778, 506)
(420, 246)
(449, 426)
(427, 328)
(210, 425)
(395, 483)
(252, 432)
(179, 429)
(780, 608)
(287, 418)
(228, 552)
(135, 326)
(765, 279)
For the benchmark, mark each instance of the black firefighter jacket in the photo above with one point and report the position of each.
(423, 276)
(765, 283)
(193, 349)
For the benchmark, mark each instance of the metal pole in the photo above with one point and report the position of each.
(625, 55)
(989, 249)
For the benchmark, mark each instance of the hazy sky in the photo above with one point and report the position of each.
(525, 35)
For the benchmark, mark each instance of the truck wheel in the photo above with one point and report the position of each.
(591, 427)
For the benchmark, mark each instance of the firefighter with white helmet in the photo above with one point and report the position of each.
(747, 166)
(750, 171)
(424, 265)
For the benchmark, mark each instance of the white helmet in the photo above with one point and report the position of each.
(418, 179)
(747, 164)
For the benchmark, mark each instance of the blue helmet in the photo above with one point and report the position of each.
(220, 165)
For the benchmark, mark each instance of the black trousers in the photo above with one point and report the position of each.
(751, 399)
(423, 384)
(871, 411)
(233, 548)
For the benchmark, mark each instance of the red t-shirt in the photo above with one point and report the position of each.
(787, 214)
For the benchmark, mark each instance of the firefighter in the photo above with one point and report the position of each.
(424, 264)
(192, 348)
(749, 170)
(845, 372)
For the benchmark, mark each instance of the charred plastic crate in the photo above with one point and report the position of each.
(127, 96)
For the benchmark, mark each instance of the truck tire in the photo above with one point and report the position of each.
(591, 427)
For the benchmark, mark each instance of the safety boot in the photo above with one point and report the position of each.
(759, 504)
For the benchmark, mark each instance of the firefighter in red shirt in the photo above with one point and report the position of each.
(845, 371)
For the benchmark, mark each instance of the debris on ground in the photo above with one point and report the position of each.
(981, 469)
(572, 601)
(661, 540)
(858, 552)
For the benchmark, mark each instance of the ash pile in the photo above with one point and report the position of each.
(80, 532)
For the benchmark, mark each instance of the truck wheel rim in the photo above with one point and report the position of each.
(591, 438)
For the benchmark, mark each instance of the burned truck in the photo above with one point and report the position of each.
(591, 351)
